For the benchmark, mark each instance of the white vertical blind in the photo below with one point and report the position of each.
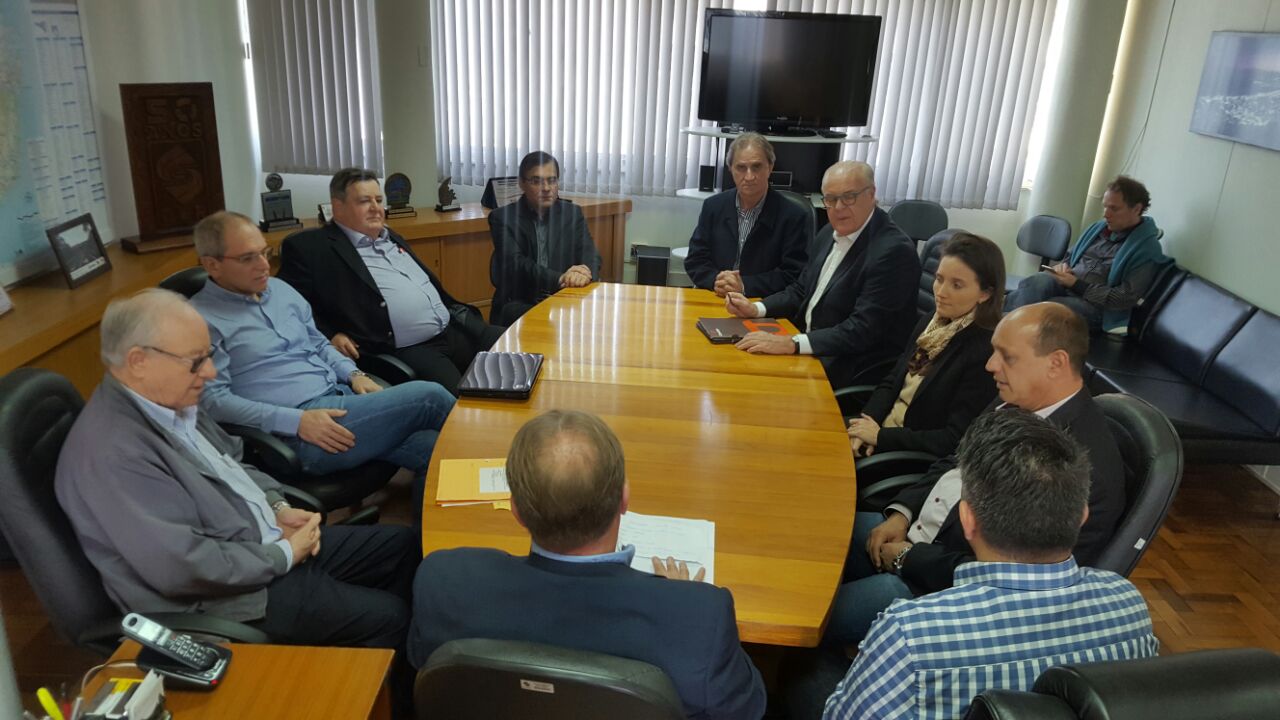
(606, 85)
(315, 73)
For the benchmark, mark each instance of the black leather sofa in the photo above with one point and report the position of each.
(1208, 360)
(1238, 684)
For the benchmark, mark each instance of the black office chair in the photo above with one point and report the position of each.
(1045, 236)
(346, 488)
(477, 679)
(919, 219)
(386, 369)
(37, 409)
(930, 257)
(1152, 456)
(1237, 684)
(805, 202)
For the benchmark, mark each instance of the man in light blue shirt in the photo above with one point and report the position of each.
(277, 372)
(371, 293)
(1022, 607)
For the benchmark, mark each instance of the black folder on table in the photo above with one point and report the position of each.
(731, 330)
(501, 375)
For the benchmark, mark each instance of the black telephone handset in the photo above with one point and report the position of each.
(175, 655)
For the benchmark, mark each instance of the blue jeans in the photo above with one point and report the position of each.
(1041, 287)
(859, 602)
(399, 425)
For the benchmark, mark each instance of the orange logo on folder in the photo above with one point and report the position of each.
(770, 327)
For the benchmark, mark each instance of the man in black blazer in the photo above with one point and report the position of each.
(1038, 358)
(540, 243)
(855, 302)
(369, 292)
(750, 239)
(576, 589)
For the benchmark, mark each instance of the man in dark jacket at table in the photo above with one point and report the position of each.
(750, 239)
(540, 243)
(577, 588)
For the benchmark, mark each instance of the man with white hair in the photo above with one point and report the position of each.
(174, 522)
(855, 302)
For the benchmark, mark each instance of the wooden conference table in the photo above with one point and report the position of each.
(276, 682)
(754, 443)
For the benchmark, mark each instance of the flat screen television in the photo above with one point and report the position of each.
(781, 70)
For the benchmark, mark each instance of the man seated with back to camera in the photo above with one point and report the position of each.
(576, 588)
(277, 373)
(914, 547)
(1020, 606)
(855, 301)
(540, 243)
(371, 293)
(751, 239)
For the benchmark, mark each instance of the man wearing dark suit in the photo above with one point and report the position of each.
(576, 589)
(751, 239)
(855, 302)
(540, 243)
(915, 547)
(369, 291)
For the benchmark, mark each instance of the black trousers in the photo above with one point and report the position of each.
(445, 357)
(356, 592)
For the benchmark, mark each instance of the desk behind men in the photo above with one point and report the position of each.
(754, 443)
(266, 682)
(55, 328)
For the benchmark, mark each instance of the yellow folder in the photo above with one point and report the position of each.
(460, 482)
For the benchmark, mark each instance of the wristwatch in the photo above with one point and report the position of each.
(897, 561)
(795, 340)
(279, 505)
(355, 374)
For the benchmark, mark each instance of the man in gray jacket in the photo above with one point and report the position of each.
(173, 521)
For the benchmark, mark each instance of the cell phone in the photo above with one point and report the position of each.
(175, 655)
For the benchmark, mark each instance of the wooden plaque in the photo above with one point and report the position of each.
(173, 154)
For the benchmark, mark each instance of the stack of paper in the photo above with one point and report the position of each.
(686, 540)
(474, 482)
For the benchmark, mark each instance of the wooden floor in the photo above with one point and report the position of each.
(1211, 579)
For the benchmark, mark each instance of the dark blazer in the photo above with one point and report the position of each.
(773, 255)
(325, 268)
(955, 389)
(869, 308)
(513, 267)
(931, 567)
(686, 628)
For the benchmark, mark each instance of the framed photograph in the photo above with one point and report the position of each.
(79, 249)
(1239, 97)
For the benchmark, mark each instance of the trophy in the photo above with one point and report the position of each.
(398, 188)
(277, 207)
(448, 198)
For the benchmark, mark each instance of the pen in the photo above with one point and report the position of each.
(46, 701)
(75, 709)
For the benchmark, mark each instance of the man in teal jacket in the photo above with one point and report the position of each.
(1111, 267)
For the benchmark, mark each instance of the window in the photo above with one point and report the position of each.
(315, 78)
(606, 86)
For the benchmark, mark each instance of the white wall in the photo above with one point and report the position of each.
(151, 41)
(1215, 199)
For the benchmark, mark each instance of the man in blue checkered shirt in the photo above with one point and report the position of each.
(1023, 606)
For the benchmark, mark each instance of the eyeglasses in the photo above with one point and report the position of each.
(845, 200)
(196, 362)
(543, 181)
(250, 257)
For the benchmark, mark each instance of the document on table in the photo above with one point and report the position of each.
(471, 482)
(689, 540)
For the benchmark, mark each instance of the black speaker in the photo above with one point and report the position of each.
(706, 178)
